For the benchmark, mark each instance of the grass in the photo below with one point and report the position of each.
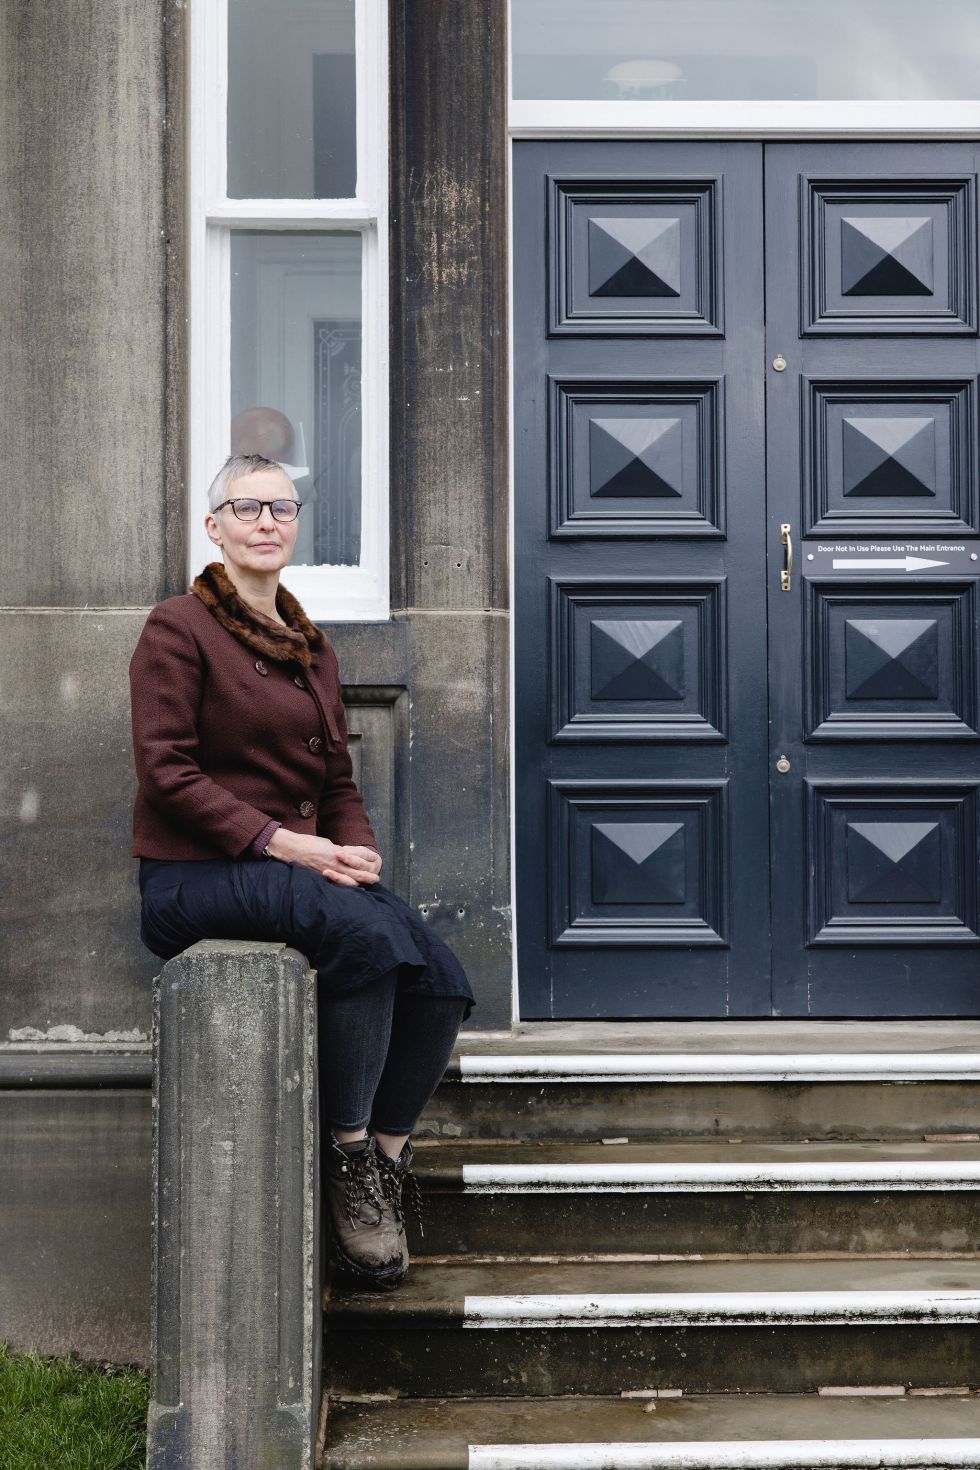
(68, 1414)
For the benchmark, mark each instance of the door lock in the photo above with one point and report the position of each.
(782, 765)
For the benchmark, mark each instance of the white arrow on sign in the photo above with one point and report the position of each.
(902, 564)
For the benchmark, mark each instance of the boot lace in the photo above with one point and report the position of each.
(362, 1187)
(397, 1183)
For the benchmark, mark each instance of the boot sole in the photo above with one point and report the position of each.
(385, 1279)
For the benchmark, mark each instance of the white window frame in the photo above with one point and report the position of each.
(328, 593)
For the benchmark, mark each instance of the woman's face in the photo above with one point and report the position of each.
(264, 545)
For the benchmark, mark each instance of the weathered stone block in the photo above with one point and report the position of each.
(74, 1213)
(236, 1250)
(82, 296)
(70, 952)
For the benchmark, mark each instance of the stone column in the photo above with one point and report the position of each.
(236, 1240)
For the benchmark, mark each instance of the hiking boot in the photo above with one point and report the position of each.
(366, 1241)
(398, 1183)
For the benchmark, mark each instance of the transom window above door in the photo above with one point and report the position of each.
(705, 49)
(288, 246)
(675, 62)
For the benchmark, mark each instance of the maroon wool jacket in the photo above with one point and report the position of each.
(227, 739)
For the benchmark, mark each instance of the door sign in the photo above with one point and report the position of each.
(890, 557)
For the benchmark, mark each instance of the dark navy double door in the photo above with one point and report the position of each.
(746, 514)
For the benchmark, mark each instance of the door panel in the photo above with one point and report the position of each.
(871, 274)
(704, 760)
(642, 842)
(888, 456)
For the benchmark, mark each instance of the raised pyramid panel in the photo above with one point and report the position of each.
(891, 658)
(635, 258)
(890, 256)
(635, 255)
(887, 255)
(636, 457)
(892, 662)
(639, 862)
(894, 862)
(889, 456)
(638, 659)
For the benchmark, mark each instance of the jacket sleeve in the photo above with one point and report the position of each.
(340, 814)
(165, 680)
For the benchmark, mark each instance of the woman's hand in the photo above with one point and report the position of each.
(347, 866)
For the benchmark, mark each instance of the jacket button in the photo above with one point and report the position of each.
(315, 743)
(306, 808)
(261, 668)
(300, 683)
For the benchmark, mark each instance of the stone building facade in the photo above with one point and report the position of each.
(670, 343)
(96, 106)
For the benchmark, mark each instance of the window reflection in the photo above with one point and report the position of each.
(291, 99)
(686, 50)
(296, 376)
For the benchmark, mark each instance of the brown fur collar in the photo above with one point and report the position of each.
(295, 644)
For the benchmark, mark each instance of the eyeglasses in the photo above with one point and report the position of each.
(250, 510)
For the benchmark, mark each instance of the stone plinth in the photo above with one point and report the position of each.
(236, 1250)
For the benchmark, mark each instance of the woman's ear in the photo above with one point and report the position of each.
(212, 528)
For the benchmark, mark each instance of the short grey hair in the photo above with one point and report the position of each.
(234, 467)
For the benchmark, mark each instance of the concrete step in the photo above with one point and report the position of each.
(599, 1326)
(775, 1079)
(750, 1430)
(698, 1196)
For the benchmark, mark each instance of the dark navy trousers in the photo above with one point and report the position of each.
(391, 995)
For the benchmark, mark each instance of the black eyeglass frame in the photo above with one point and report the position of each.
(254, 499)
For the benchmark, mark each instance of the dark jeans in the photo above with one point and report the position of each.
(382, 1054)
(391, 995)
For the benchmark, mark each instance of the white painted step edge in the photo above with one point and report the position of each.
(720, 1176)
(711, 1067)
(813, 1454)
(721, 1308)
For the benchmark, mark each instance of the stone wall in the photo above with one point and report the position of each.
(92, 390)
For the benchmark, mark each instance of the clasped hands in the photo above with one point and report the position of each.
(348, 866)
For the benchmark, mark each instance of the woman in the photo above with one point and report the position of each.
(248, 825)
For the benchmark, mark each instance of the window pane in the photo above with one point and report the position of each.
(685, 50)
(291, 131)
(296, 376)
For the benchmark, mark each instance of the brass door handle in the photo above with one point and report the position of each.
(786, 576)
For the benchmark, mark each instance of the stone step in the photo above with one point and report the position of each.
(570, 1108)
(698, 1196)
(775, 1079)
(599, 1326)
(696, 1432)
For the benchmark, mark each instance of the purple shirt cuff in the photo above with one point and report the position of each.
(255, 848)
